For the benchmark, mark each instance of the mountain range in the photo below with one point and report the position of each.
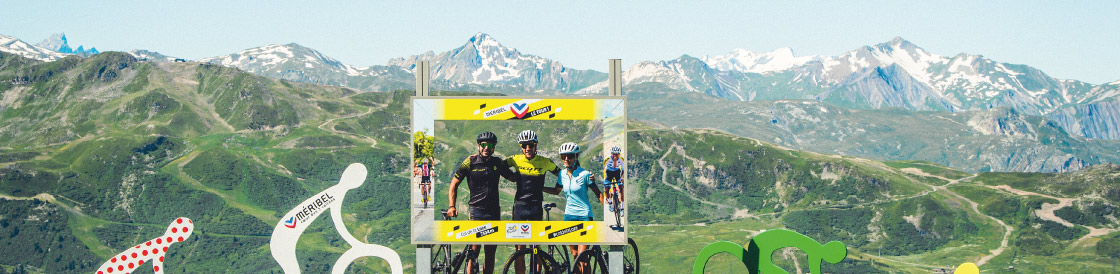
(98, 153)
(892, 75)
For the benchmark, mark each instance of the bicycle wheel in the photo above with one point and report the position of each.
(617, 209)
(594, 261)
(544, 262)
(441, 260)
(559, 253)
(631, 261)
(469, 257)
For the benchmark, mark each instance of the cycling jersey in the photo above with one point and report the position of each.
(425, 173)
(575, 192)
(530, 185)
(613, 169)
(482, 180)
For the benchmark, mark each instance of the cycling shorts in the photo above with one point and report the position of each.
(527, 211)
(613, 176)
(482, 214)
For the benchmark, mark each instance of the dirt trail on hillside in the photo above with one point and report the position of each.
(373, 142)
(665, 180)
(1047, 210)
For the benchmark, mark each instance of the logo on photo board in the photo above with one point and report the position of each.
(519, 110)
(518, 231)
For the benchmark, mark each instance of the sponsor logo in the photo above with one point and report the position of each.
(493, 112)
(313, 208)
(518, 231)
(484, 233)
(290, 223)
(519, 110)
(568, 230)
(476, 231)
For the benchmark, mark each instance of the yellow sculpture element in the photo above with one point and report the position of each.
(967, 268)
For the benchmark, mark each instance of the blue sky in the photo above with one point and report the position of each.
(1066, 40)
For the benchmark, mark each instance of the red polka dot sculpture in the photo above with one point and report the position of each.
(152, 250)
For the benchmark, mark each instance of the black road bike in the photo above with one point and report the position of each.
(541, 259)
(615, 203)
(446, 263)
(596, 259)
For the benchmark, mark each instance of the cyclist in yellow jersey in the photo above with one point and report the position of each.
(529, 198)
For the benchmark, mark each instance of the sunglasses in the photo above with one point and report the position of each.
(486, 145)
(531, 145)
(567, 156)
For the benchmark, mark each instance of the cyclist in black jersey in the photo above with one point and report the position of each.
(482, 173)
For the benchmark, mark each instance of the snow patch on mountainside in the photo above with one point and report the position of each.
(747, 61)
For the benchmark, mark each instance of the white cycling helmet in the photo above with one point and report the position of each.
(527, 136)
(616, 150)
(569, 148)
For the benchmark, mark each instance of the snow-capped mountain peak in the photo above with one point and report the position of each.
(11, 45)
(56, 42)
(915, 60)
(279, 58)
(484, 40)
(747, 61)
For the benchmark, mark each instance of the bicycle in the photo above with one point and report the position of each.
(615, 203)
(425, 191)
(539, 258)
(444, 262)
(597, 261)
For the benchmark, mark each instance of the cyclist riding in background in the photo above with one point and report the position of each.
(614, 168)
(481, 172)
(425, 171)
(574, 181)
(529, 198)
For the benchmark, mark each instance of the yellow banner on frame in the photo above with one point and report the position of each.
(519, 109)
(520, 231)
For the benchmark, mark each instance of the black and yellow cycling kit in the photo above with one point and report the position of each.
(482, 175)
(530, 185)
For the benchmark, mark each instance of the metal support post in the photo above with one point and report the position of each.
(423, 252)
(614, 256)
(615, 77)
(423, 78)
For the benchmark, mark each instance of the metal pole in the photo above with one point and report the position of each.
(423, 78)
(615, 77)
(614, 255)
(423, 252)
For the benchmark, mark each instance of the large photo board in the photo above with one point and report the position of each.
(520, 170)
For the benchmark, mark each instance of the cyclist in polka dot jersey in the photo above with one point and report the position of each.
(154, 250)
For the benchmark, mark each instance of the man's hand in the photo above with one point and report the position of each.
(451, 212)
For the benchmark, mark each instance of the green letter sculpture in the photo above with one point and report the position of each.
(757, 254)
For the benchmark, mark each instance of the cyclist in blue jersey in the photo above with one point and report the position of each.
(574, 182)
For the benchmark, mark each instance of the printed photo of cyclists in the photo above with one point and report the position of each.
(530, 177)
